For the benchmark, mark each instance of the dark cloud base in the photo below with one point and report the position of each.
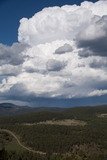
(56, 102)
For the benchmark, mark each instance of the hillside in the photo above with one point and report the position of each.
(9, 109)
(64, 134)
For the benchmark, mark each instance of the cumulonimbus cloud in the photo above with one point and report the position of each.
(62, 52)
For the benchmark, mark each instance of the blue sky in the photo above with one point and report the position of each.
(60, 58)
(11, 11)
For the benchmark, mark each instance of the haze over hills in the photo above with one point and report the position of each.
(9, 109)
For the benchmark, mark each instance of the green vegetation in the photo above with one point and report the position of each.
(13, 146)
(59, 142)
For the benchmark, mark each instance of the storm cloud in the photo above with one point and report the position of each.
(60, 53)
(94, 37)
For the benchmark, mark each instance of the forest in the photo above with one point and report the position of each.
(54, 141)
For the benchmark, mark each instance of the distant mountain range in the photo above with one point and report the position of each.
(8, 109)
(11, 109)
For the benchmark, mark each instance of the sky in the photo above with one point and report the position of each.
(11, 11)
(53, 53)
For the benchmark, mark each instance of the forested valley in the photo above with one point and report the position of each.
(83, 138)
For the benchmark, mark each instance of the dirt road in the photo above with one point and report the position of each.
(18, 141)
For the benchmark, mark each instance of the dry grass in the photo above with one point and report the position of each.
(103, 115)
(65, 122)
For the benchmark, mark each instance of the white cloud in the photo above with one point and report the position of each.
(12, 54)
(59, 59)
(98, 92)
(9, 70)
(94, 37)
(57, 23)
(56, 75)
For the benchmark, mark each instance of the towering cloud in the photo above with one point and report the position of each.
(61, 53)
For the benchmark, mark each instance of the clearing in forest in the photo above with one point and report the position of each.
(103, 115)
(65, 122)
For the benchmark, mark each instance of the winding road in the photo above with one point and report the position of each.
(20, 144)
